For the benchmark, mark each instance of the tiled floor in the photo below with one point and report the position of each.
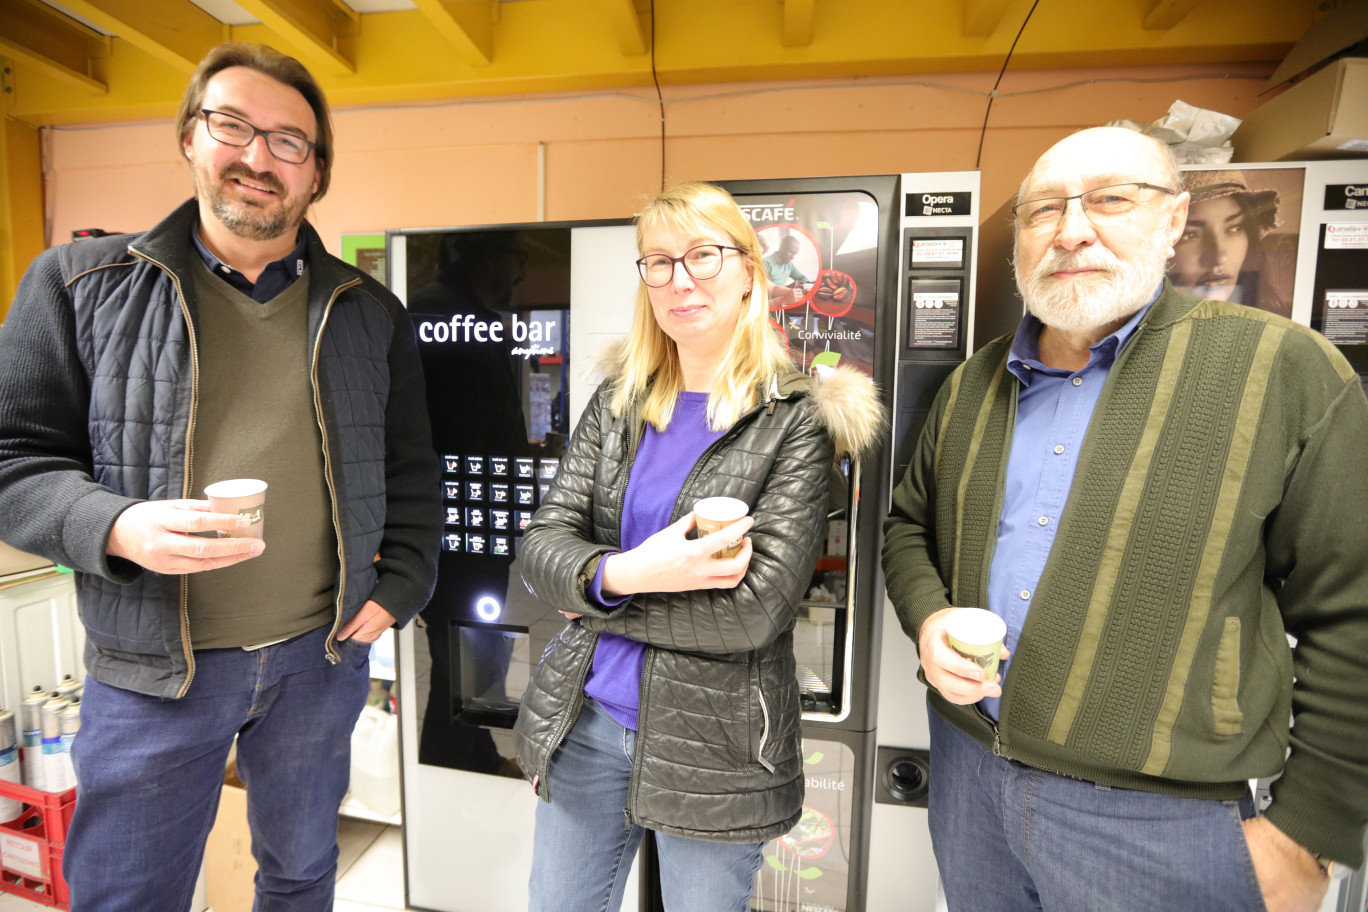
(370, 874)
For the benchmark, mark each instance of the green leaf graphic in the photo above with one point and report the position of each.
(809, 873)
(774, 862)
(815, 758)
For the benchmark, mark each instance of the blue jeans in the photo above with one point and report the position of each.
(1010, 837)
(149, 772)
(583, 847)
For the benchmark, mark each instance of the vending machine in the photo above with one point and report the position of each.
(873, 272)
(877, 273)
(492, 308)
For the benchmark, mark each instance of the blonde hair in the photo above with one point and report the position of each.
(646, 369)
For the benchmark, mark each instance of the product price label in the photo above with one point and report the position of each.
(1346, 236)
(937, 251)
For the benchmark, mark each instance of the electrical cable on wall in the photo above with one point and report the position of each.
(660, 99)
(978, 159)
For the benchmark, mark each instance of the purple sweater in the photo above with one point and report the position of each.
(662, 463)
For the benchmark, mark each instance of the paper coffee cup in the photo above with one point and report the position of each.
(977, 635)
(243, 496)
(713, 513)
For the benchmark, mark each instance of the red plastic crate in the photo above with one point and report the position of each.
(31, 845)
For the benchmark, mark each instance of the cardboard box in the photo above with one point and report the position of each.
(1323, 116)
(12, 560)
(229, 868)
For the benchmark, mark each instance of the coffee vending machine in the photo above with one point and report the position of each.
(874, 272)
(492, 309)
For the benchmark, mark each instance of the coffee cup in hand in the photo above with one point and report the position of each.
(977, 634)
(714, 513)
(244, 497)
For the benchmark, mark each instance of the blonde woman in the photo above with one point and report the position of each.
(668, 702)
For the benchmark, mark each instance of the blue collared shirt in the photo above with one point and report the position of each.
(275, 278)
(1054, 407)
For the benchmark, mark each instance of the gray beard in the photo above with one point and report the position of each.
(1126, 286)
(250, 224)
(248, 221)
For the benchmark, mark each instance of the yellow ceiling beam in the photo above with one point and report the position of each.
(627, 25)
(319, 32)
(982, 17)
(466, 25)
(798, 22)
(1165, 14)
(566, 46)
(174, 31)
(53, 43)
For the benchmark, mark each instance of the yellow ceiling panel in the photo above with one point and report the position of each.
(318, 32)
(467, 25)
(56, 46)
(174, 31)
(468, 48)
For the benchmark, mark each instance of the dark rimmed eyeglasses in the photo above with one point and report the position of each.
(701, 262)
(1100, 205)
(234, 131)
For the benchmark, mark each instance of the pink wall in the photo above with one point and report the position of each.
(476, 162)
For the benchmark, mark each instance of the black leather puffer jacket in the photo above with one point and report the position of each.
(718, 743)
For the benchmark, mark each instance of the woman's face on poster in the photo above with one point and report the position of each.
(1212, 249)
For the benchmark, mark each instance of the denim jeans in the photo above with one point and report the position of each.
(149, 772)
(1011, 837)
(583, 847)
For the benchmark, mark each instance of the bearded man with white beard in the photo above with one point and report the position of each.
(1153, 492)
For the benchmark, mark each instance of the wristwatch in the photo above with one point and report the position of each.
(1335, 870)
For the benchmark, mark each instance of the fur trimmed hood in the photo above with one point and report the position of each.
(847, 404)
(847, 400)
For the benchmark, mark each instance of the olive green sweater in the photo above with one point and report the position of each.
(1220, 503)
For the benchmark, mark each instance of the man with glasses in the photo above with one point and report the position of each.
(223, 343)
(1152, 491)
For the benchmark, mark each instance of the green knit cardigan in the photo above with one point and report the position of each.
(1220, 505)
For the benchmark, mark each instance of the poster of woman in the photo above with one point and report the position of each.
(1240, 243)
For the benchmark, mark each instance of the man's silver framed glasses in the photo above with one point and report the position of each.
(1100, 205)
(234, 131)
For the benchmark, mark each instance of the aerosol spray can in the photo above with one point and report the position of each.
(54, 776)
(31, 738)
(69, 687)
(9, 764)
(70, 721)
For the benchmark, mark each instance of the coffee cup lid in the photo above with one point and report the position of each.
(721, 509)
(975, 625)
(235, 487)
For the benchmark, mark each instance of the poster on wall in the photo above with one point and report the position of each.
(820, 252)
(367, 253)
(1240, 240)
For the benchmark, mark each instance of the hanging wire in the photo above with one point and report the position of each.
(660, 99)
(978, 159)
